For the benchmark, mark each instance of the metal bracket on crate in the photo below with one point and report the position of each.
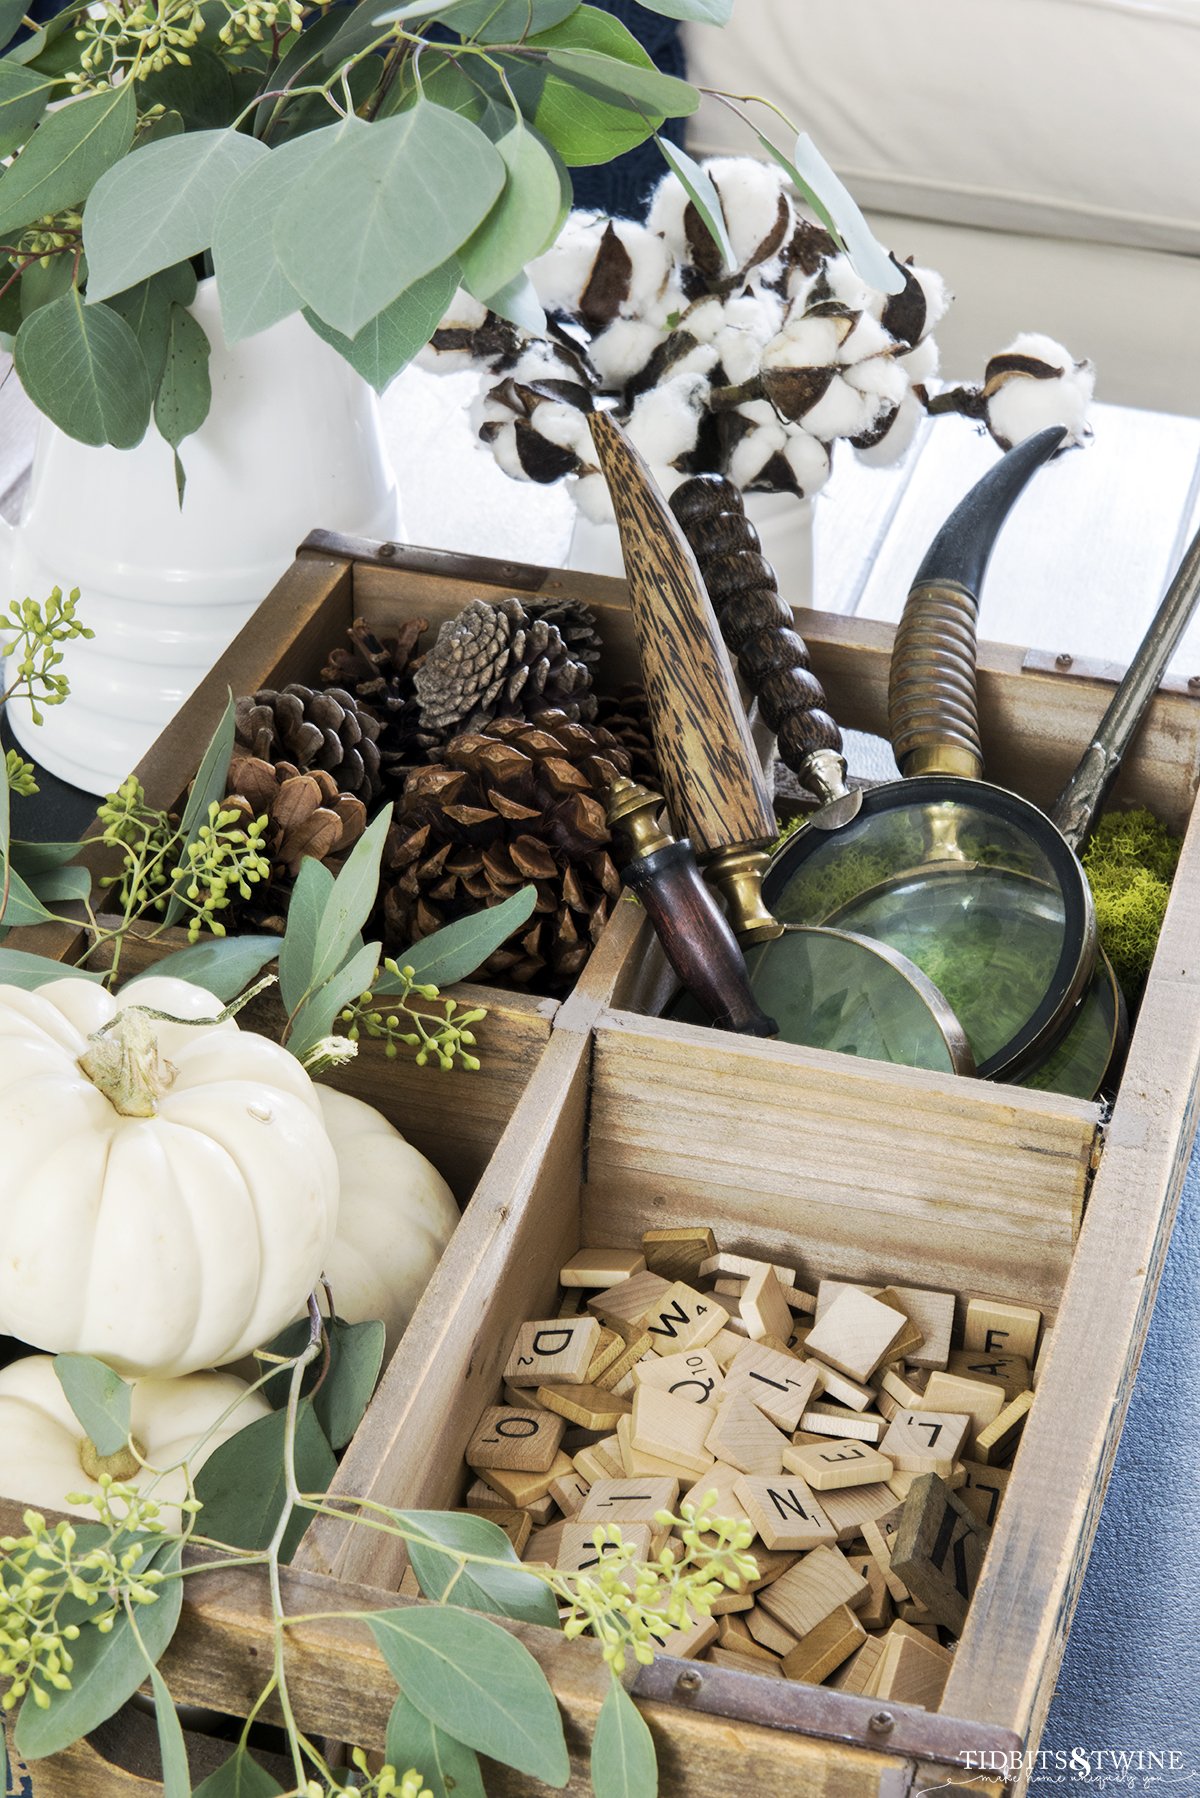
(827, 1715)
(1044, 661)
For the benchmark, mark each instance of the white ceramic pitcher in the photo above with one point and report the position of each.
(292, 443)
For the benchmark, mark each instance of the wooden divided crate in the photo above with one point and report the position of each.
(593, 1119)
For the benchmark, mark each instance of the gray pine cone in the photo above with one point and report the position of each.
(495, 661)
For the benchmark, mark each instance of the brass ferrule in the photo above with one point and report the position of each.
(943, 758)
(737, 875)
(635, 809)
(824, 773)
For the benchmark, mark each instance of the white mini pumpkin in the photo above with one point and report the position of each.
(45, 1448)
(159, 1243)
(397, 1215)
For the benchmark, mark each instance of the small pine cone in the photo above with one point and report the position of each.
(315, 731)
(495, 661)
(512, 803)
(380, 672)
(306, 814)
(626, 714)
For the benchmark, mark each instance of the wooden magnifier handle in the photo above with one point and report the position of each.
(714, 785)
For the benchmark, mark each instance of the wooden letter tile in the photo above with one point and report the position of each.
(763, 1307)
(847, 1463)
(849, 1509)
(636, 1347)
(983, 1490)
(938, 1551)
(769, 1632)
(569, 1493)
(741, 1435)
(720, 1480)
(858, 1673)
(879, 1534)
(911, 1671)
(781, 1385)
(784, 1511)
(1009, 1371)
(694, 1376)
(623, 1307)
(560, 1350)
(588, 1406)
(997, 1443)
(823, 1649)
(855, 1334)
(998, 1327)
(766, 1666)
(980, 1400)
(599, 1460)
(678, 1254)
(910, 1340)
(682, 1318)
(628, 1501)
(577, 1549)
(601, 1267)
(876, 1613)
(671, 1429)
(610, 1348)
(522, 1489)
(925, 1441)
(523, 1441)
(843, 1390)
(806, 1594)
(836, 1421)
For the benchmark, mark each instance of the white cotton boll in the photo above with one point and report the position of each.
(898, 436)
(879, 376)
(541, 362)
(698, 361)
(623, 349)
(800, 289)
(591, 496)
(665, 217)
(668, 306)
(921, 364)
(808, 460)
(651, 266)
(665, 420)
(804, 343)
(842, 411)
(1024, 406)
(705, 320)
(504, 449)
(759, 312)
(938, 297)
(750, 192)
(759, 412)
(565, 426)
(560, 275)
(752, 453)
(464, 313)
(741, 355)
(848, 286)
(484, 410)
(868, 338)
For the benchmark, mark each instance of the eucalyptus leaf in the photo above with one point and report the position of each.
(254, 290)
(24, 96)
(167, 124)
(523, 222)
(315, 40)
(703, 195)
(456, 950)
(99, 1398)
(445, 83)
(297, 958)
(67, 155)
(184, 389)
(207, 788)
(504, 1591)
(624, 1764)
(519, 304)
(348, 907)
(356, 1357)
(223, 966)
(699, 12)
(81, 366)
(662, 94)
(382, 207)
(55, 886)
(448, 1768)
(146, 309)
(242, 1485)
(34, 859)
(200, 90)
(11, 14)
(838, 212)
(18, 968)
(315, 1017)
(386, 344)
(21, 905)
(158, 207)
(478, 1684)
(108, 1669)
(176, 1781)
(31, 48)
(240, 1777)
(38, 285)
(505, 21)
(586, 124)
(5, 819)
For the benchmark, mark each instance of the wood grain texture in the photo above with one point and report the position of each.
(898, 1173)
(714, 790)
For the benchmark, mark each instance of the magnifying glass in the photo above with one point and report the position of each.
(827, 989)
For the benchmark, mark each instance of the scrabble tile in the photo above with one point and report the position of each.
(725, 1346)
(543, 1545)
(843, 1390)
(678, 1254)
(623, 1307)
(931, 1312)
(520, 1440)
(588, 1406)
(911, 1339)
(825, 1648)
(727, 1284)
(766, 1666)
(876, 1612)
(559, 1349)
(628, 1501)
(857, 1674)
(601, 1267)
(410, 1585)
(480, 1496)
(855, 1334)
(609, 1349)
(569, 1492)
(694, 1376)
(733, 1634)
(906, 1391)
(763, 1307)
(995, 1326)
(741, 1435)
(577, 1550)
(636, 1347)
(911, 1671)
(834, 1420)
(805, 1303)
(722, 1480)
(980, 1400)
(998, 1442)
(805, 1595)
(879, 1534)
(570, 1302)
(784, 1512)
(849, 1509)
(682, 1318)
(671, 1429)
(599, 1460)
(743, 1266)
(827, 1467)
(772, 1564)
(779, 1384)
(541, 1511)
(925, 1441)
(1010, 1371)
(768, 1631)
(983, 1489)
(518, 1488)
(638, 1464)
(697, 1634)
(938, 1551)
(901, 1484)
(520, 1398)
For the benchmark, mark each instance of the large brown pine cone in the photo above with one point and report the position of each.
(314, 731)
(379, 672)
(306, 814)
(495, 661)
(511, 803)
(626, 714)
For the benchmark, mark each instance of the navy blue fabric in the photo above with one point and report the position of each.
(623, 187)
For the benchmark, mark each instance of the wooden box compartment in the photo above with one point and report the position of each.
(619, 1121)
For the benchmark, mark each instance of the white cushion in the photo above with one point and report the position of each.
(1071, 118)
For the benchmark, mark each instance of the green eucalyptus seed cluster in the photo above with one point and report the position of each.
(33, 652)
(45, 1568)
(255, 18)
(47, 236)
(387, 1783)
(224, 859)
(450, 1039)
(146, 39)
(19, 774)
(633, 1606)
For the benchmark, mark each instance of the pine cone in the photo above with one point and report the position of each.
(306, 813)
(511, 803)
(313, 730)
(379, 672)
(576, 623)
(495, 661)
(626, 714)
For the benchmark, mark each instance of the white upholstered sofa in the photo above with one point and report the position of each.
(1043, 155)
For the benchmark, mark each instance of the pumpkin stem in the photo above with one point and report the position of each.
(122, 1466)
(124, 1063)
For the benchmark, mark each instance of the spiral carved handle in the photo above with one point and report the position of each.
(932, 710)
(755, 621)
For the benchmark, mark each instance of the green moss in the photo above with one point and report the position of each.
(1130, 863)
